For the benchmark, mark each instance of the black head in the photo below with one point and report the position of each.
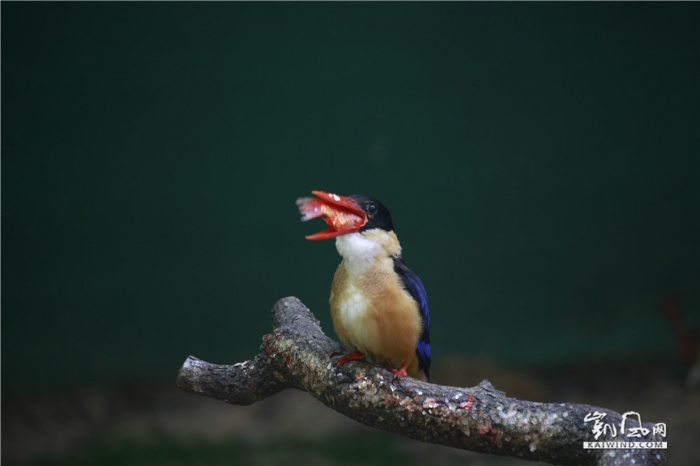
(378, 215)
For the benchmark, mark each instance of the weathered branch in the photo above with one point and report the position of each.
(299, 355)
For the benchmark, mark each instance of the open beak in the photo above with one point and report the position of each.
(342, 214)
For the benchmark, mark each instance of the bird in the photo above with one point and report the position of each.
(378, 305)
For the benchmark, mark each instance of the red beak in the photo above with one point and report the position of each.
(341, 213)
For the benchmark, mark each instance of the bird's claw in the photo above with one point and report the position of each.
(400, 372)
(352, 356)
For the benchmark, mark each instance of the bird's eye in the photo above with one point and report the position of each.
(371, 209)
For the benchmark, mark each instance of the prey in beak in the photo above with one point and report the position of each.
(342, 214)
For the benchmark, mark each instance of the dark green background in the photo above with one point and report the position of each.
(540, 161)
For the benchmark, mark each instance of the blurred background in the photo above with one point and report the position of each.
(540, 161)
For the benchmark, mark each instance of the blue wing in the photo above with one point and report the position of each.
(416, 289)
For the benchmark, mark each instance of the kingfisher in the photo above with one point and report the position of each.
(378, 305)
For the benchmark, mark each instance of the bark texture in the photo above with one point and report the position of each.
(299, 355)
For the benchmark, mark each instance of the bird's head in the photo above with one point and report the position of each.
(355, 220)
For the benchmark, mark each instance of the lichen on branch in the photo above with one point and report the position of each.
(297, 354)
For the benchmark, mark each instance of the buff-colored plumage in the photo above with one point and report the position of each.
(372, 311)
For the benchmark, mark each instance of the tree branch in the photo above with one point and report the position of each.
(299, 355)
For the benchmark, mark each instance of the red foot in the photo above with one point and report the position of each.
(400, 372)
(352, 356)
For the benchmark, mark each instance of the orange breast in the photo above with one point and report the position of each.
(374, 314)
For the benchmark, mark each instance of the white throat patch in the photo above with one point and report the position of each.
(358, 252)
